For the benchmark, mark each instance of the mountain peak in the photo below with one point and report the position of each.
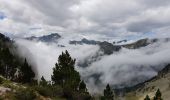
(53, 37)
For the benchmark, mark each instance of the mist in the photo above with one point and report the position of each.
(124, 68)
(128, 67)
(45, 55)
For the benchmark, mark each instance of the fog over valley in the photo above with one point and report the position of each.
(122, 68)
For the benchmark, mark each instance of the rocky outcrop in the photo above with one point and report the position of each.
(108, 48)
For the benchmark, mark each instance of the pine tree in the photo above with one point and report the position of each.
(27, 73)
(147, 97)
(108, 93)
(82, 87)
(8, 68)
(64, 73)
(43, 82)
(158, 95)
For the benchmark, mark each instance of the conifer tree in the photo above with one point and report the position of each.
(43, 82)
(147, 97)
(8, 68)
(64, 73)
(82, 87)
(108, 93)
(158, 95)
(27, 73)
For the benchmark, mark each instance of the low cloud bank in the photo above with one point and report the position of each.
(46, 55)
(124, 68)
(128, 67)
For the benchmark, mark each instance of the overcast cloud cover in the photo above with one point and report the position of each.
(115, 18)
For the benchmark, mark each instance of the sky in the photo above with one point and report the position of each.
(108, 18)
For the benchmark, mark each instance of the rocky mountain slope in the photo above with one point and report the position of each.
(144, 42)
(149, 87)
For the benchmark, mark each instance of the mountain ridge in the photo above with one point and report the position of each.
(148, 87)
(53, 37)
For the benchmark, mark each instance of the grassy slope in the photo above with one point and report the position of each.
(14, 88)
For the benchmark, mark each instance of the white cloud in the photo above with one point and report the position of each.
(45, 56)
(109, 17)
(124, 68)
(128, 67)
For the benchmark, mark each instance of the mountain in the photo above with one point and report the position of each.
(140, 43)
(7, 59)
(10, 62)
(106, 47)
(13, 65)
(144, 42)
(149, 87)
(46, 38)
(109, 48)
(18, 82)
(84, 41)
(120, 42)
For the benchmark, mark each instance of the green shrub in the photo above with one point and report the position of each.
(1, 98)
(44, 91)
(25, 94)
(81, 96)
(1, 80)
(49, 91)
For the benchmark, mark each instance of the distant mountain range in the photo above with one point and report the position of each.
(46, 38)
(105, 46)
(84, 41)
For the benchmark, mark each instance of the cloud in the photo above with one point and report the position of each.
(124, 68)
(128, 67)
(44, 56)
(150, 20)
(2, 16)
(115, 18)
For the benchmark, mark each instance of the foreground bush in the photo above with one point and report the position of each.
(1, 80)
(49, 91)
(25, 94)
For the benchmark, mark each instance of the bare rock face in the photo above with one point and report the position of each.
(4, 90)
(108, 48)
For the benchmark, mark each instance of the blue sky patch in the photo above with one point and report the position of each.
(141, 36)
(149, 34)
(2, 16)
